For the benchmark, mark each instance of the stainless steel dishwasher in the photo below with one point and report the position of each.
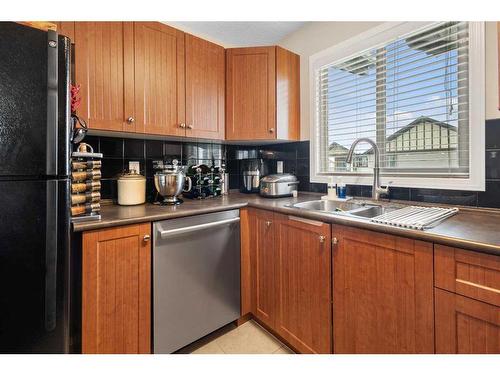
(196, 272)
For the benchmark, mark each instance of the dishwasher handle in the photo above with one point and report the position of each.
(175, 232)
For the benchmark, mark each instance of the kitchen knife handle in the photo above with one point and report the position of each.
(51, 255)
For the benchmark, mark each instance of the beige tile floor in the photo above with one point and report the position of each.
(249, 338)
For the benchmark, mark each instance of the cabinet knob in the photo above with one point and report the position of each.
(131, 120)
(271, 130)
(190, 126)
(182, 125)
(335, 241)
(322, 239)
(268, 223)
(146, 237)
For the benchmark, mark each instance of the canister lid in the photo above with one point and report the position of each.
(133, 175)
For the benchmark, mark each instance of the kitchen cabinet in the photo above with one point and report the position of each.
(466, 326)
(104, 69)
(467, 299)
(205, 81)
(264, 260)
(382, 293)
(159, 79)
(290, 277)
(303, 250)
(262, 94)
(116, 290)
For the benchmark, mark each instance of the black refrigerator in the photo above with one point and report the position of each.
(35, 125)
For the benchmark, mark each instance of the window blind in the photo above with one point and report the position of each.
(409, 95)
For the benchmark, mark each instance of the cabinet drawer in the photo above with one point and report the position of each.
(468, 273)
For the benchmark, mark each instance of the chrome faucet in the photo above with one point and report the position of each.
(376, 188)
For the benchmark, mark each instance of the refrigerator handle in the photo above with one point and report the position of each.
(52, 110)
(51, 256)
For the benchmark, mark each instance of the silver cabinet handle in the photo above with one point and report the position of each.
(146, 238)
(268, 223)
(335, 241)
(190, 126)
(271, 130)
(175, 232)
(322, 239)
(131, 120)
(182, 125)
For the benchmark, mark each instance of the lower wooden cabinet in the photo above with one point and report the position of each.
(382, 293)
(465, 325)
(303, 249)
(116, 290)
(290, 277)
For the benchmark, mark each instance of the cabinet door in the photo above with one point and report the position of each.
(466, 326)
(205, 81)
(382, 293)
(159, 79)
(264, 262)
(104, 69)
(304, 301)
(251, 93)
(116, 290)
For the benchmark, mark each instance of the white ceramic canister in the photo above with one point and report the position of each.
(131, 189)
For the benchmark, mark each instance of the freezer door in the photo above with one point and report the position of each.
(34, 246)
(28, 101)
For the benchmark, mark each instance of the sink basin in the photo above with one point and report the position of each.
(371, 211)
(327, 206)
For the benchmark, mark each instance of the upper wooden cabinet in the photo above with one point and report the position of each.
(104, 70)
(262, 94)
(382, 293)
(116, 290)
(159, 79)
(66, 29)
(205, 87)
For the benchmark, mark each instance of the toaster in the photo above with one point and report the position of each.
(278, 185)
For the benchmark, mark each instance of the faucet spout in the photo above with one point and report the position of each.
(377, 190)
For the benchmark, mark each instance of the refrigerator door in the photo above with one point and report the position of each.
(34, 251)
(28, 101)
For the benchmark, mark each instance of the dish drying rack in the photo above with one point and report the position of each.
(415, 217)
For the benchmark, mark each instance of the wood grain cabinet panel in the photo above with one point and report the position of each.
(304, 301)
(66, 28)
(116, 290)
(468, 273)
(205, 88)
(159, 79)
(251, 93)
(382, 293)
(466, 326)
(103, 68)
(262, 94)
(264, 260)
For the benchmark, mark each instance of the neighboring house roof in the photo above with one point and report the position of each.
(337, 149)
(414, 123)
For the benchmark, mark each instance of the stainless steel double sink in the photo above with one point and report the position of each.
(360, 210)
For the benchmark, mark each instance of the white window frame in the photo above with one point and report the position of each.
(386, 32)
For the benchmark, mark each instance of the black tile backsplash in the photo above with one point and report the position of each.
(295, 156)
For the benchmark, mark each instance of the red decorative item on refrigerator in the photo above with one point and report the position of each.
(75, 98)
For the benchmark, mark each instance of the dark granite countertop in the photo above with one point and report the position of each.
(474, 229)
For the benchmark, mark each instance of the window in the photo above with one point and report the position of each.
(417, 90)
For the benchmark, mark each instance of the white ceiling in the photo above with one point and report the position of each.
(239, 34)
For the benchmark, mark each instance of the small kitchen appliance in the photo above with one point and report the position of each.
(278, 185)
(252, 171)
(170, 183)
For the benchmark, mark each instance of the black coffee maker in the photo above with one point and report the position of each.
(251, 171)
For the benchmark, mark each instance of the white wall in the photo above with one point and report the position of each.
(317, 36)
